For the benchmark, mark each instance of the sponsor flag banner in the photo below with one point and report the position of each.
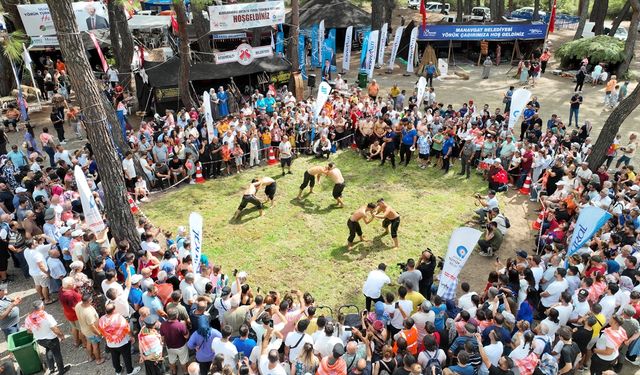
(208, 115)
(302, 56)
(396, 44)
(348, 41)
(552, 19)
(315, 51)
(422, 86)
(329, 50)
(383, 43)
(320, 43)
(90, 15)
(590, 220)
(413, 40)
(92, 216)
(246, 15)
(195, 235)
(372, 49)
(323, 94)
(519, 100)
(460, 247)
(363, 53)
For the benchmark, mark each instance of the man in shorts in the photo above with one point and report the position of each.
(311, 176)
(175, 335)
(354, 223)
(390, 217)
(285, 155)
(269, 185)
(336, 176)
(38, 270)
(249, 196)
(88, 321)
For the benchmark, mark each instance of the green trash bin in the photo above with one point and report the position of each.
(25, 350)
(362, 80)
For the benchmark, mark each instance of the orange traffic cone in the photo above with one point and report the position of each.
(354, 146)
(536, 225)
(526, 188)
(272, 157)
(132, 205)
(199, 178)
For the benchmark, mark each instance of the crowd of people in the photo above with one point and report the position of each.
(542, 311)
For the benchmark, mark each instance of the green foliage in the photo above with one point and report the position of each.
(12, 45)
(599, 49)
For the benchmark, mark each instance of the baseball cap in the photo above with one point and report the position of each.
(338, 350)
(225, 291)
(150, 320)
(136, 279)
(583, 293)
(522, 254)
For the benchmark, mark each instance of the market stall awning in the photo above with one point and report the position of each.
(165, 74)
(139, 22)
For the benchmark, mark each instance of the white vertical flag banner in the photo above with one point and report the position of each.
(396, 44)
(348, 41)
(92, 216)
(321, 43)
(519, 100)
(323, 94)
(208, 115)
(372, 49)
(422, 86)
(460, 247)
(383, 43)
(195, 235)
(413, 43)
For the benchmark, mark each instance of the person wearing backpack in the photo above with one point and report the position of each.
(501, 221)
(505, 364)
(432, 358)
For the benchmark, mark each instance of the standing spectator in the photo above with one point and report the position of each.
(116, 332)
(175, 336)
(372, 288)
(88, 321)
(9, 312)
(46, 332)
(150, 345)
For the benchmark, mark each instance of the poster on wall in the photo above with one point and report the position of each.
(246, 16)
(90, 15)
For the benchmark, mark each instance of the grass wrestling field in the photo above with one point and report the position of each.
(302, 243)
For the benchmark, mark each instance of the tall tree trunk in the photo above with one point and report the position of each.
(11, 8)
(584, 13)
(630, 43)
(536, 11)
(500, 9)
(459, 10)
(620, 17)
(598, 14)
(511, 6)
(611, 128)
(121, 40)
(294, 31)
(185, 55)
(377, 14)
(467, 6)
(121, 222)
(493, 5)
(202, 28)
(389, 7)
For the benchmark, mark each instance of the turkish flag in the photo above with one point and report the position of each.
(174, 25)
(423, 12)
(552, 19)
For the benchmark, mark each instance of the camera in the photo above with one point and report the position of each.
(440, 262)
(402, 266)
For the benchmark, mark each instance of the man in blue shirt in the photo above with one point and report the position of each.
(409, 138)
(17, 157)
(244, 344)
(431, 71)
(447, 149)
(389, 147)
(527, 115)
(135, 294)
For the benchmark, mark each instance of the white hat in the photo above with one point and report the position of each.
(64, 230)
(635, 188)
(76, 233)
(242, 275)
(496, 160)
(20, 189)
(136, 279)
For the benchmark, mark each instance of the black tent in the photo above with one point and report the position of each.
(161, 90)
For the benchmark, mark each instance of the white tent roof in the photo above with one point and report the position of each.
(138, 22)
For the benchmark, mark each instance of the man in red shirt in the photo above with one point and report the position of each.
(525, 166)
(69, 298)
(596, 266)
(175, 335)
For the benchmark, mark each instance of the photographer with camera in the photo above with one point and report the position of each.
(410, 274)
(427, 266)
(490, 241)
(487, 204)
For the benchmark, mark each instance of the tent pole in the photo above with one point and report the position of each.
(513, 53)
(449, 53)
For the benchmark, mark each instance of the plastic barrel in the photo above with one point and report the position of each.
(362, 80)
(24, 349)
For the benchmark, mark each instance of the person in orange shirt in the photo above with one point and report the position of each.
(226, 157)
(60, 65)
(609, 88)
(410, 334)
(333, 364)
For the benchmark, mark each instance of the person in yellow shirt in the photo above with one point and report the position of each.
(414, 296)
(266, 142)
(611, 85)
(394, 92)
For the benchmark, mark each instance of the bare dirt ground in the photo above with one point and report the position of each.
(553, 93)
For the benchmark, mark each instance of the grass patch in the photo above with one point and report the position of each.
(302, 244)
